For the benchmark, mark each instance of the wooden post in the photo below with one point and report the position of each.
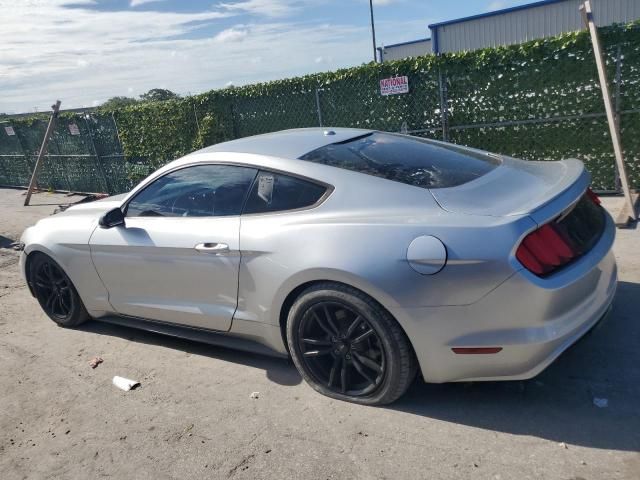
(43, 150)
(614, 129)
(444, 109)
(318, 108)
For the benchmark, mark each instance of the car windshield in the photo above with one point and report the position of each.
(411, 160)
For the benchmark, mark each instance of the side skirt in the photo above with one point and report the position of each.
(211, 337)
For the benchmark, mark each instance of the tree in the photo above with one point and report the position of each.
(158, 95)
(115, 103)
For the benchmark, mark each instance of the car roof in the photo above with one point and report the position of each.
(289, 144)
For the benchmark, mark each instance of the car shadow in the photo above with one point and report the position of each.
(559, 404)
(278, 370)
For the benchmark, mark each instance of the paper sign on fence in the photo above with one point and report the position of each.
(394, 85)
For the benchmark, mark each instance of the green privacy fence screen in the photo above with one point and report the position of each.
(537, 101)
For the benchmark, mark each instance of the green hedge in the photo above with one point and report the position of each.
(486, 89)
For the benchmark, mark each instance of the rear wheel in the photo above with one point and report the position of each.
(346, 346)
(55, 292)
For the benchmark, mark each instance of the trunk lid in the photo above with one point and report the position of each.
(517, 187)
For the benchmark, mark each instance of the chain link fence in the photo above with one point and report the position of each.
(538, 101)
(84, 154)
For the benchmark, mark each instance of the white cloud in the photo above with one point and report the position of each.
(45, 45)
(267, 8)
(135, 3)
(496, 5)
(230, 35)
(383, 3)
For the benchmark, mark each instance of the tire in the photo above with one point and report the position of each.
(375, 360)
(55, 292)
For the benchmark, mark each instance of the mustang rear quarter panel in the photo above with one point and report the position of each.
(359, 236)
(533, 319)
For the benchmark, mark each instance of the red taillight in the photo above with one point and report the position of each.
(551, 246)
(594, 198)
(544, 250)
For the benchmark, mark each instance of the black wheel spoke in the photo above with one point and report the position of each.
(318, 342)
(367, 362)
(353, 326)
(334, 369)
(48, 273)
(364, 336)
(358, 366)
(344, 377)
(66, 305)
(322, 325)
(329, 318)
(62, 310)
(52, 296)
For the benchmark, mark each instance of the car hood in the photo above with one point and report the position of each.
(95, 208)
(516, 187)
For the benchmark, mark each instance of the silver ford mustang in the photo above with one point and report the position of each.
(365, 256)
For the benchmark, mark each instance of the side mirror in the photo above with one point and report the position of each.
(112, 218)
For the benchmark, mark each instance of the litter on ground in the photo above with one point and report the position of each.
(124, 383)
(95, 361)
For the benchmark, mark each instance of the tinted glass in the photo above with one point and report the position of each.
(200, 191)
(411, 160)
(273, 192)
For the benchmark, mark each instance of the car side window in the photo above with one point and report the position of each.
(273, 192)
(197, 191)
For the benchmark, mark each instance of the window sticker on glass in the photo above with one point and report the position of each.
(265, 188)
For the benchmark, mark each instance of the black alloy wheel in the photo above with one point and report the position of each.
(347, 346)
(341, 349)
(55, 292)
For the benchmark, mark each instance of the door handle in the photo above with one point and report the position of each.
(212, 247)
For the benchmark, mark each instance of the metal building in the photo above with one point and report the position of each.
(398, 51)
(509, 26)
(527, 22)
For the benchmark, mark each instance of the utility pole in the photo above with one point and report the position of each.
(614, 127)
(373, 31)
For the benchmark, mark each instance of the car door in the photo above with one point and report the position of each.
(176, 258)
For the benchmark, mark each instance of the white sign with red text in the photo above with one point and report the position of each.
(394, 85)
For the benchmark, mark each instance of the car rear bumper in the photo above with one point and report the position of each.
(532, 320)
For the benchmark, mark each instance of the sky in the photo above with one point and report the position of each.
(84, 52)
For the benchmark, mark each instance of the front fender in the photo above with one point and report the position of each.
(66, 240)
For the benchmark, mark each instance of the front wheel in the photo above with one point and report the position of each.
(346, 346)
(55, 292)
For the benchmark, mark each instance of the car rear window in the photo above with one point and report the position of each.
(402, 158)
